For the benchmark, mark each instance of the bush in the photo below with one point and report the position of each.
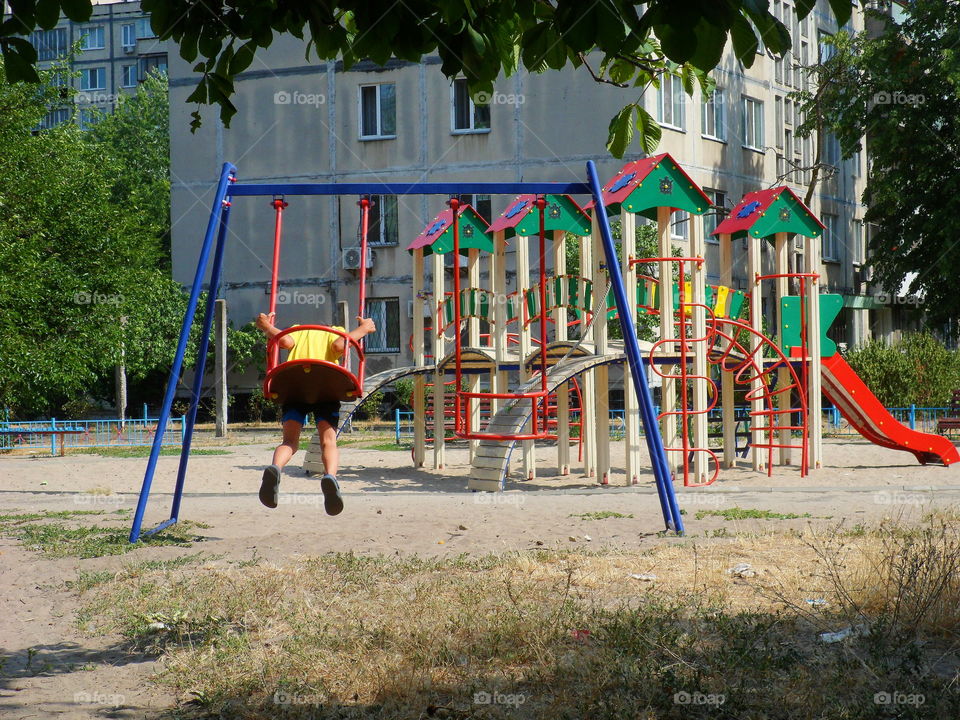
(917, 370)
(370, 407)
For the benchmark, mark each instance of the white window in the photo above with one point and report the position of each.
(91, 37)
(671, 102)
(54, 118)
(807, 158)
(752, 124)
(128, 76)
(50, 44)
(859, 252)
(713, 119)
(385, 313)
(152, 63)
(143, 29)
(856, 163)
(680, 225)
(93, 78)
(778, 121)
(713, 216)
(830, 242)
(128, 35)
(378, 111)
(831, 149)
(465, 116)
(87, 117)
(826, 50)
(778, 70)
(481, 203)
(382, 222)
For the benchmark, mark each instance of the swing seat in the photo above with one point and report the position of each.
(306, 382)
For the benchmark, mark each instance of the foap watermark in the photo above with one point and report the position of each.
(898, 98)
(85, 97)
(283, 697)
(498, 698)
(96, 298)
(295, 97)
(494, 498)
(95, 499)
(893, 299)
(899, 698)
(482, 97)
(295, 297)
(699, 698)
(99, 698)
(300, 499)
(707, 499)
(897, 497)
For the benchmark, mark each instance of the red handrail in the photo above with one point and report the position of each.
(278, 204)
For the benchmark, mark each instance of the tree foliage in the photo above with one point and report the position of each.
(901, 89)
(632, 44)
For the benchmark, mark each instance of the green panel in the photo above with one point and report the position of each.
(561, 213)
(665, 186)
(711, 295)
(473, 234)
(830, 306)
(735, 300)
(786, 214)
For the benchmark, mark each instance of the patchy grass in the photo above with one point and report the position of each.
(739, 513)
(600, 515)
(559, 634)
(58, 534)
(142, 451)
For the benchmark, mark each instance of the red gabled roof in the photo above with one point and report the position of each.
(750, 207)
(515, 212)
(619, 187)
(438, 225)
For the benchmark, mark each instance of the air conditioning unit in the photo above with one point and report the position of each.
(351, 258)
(129, 49)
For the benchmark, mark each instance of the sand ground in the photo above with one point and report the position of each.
(391, 508)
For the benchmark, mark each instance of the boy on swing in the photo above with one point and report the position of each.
(319, 345)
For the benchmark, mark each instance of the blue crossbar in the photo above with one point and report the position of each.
(409, 188)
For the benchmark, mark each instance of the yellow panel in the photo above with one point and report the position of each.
(720, 310)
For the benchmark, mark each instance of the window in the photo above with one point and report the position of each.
(143, 29)
(829, 243)
(465, 116)
(807, 158)
(680, 226)
(713, 216)
(151, 63)
(128, 35)
(378, 111)
(128, 76)
(93, 79)
(480, 203)
(87, 117)
(91, 38)
(54, 118)
(383, 220)
(831, 149)
(778, 121)
(752, 124)
(385, 313)
(712, 120)
(50, 44)
(670, 99)
(859, 252)
(826, 50)
(856, 161)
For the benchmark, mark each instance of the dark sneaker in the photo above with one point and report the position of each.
(270, 486)
(332, 500)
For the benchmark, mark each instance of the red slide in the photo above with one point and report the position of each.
(844, 388)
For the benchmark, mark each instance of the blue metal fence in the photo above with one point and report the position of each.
(87, 433)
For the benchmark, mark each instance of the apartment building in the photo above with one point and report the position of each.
(117, 50)
(300, 121)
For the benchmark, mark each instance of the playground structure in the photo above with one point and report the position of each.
(522, 350)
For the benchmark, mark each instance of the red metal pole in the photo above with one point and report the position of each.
(541, 205)
(457, 420)
(278, 204)
(364, 227)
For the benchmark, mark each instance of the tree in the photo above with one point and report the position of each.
(632, 45)
(901, 89)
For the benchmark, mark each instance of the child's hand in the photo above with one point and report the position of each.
(265, 321)
(366, 325)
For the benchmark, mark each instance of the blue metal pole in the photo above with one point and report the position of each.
(191, 416)
(225, 174)
(913, 416)
(396, 426)
(635, 361)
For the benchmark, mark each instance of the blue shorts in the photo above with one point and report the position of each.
(329, 412)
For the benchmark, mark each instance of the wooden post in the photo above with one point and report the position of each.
(631, 408)
(668, 389)
(220, 365)
(814, 399)
(473, 340)
(754, 269)
(782, 261)
(499, 332)
(419, 385)
(698, 297)
(726, 379)
(439, 350)
(601, 346)
(588, 385)
(560, 325)
(526, 347)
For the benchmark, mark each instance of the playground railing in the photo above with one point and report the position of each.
(923, 419)
(34, 434)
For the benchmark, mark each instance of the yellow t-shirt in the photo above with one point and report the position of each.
(314, 345)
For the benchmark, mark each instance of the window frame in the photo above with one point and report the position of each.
(125, 29)
(675, 84)
(84, 34)
(719, 116)
(716, 197)
(473, 129)
(388, 349)
(680, 219)
(101, 72)
(829, 239)
(380, 202)
(379, 112)
(123, 75)
(757, 112)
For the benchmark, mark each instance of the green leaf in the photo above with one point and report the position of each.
(622, 71)
(842, 9)
(48, 13)
(805, 7)
(620, 132)
(17, 67)
(744, 40)
(77, 10)
(650, 131)
(242, 58)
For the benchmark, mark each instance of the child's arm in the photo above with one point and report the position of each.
(365, 327)
(265, 323)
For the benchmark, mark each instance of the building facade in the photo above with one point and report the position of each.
(406, 122)
(117, 51)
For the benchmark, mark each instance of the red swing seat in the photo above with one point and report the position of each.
(307, 381)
